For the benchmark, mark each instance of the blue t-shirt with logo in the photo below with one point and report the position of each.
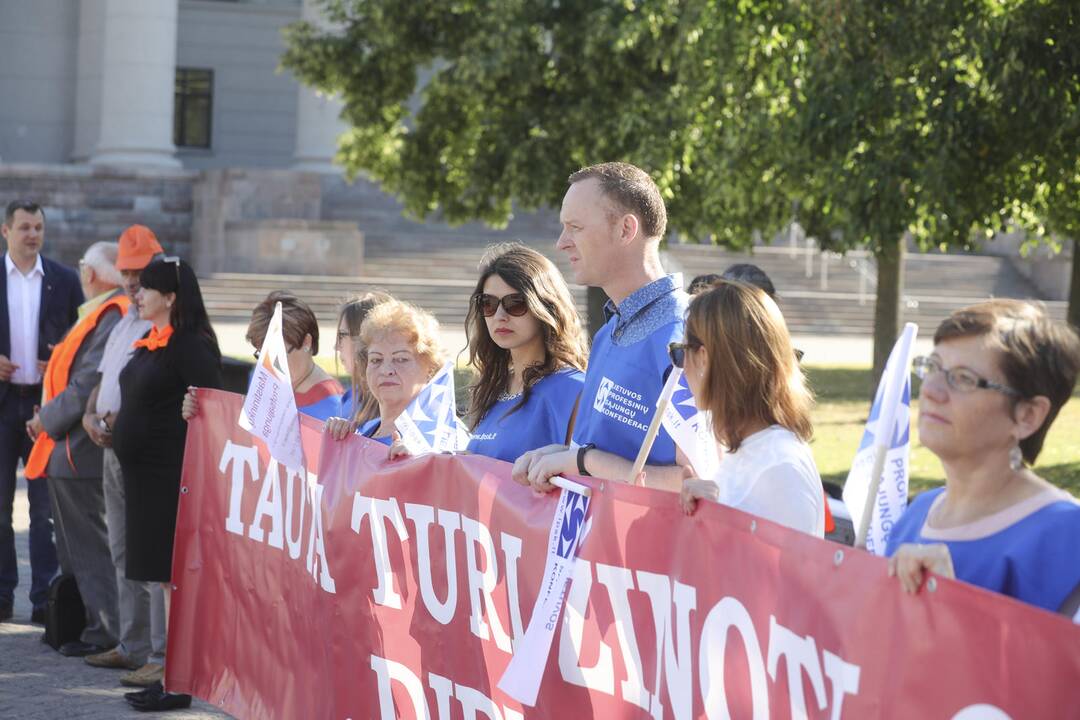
(541, 421)
(1032, 559)
(627, 368)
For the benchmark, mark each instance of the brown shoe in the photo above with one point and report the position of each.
(145, 676)
(111, 659)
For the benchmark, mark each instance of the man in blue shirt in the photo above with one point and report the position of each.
(613, 219)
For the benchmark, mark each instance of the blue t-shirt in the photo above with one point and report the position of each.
(541, 421)
(1032, 559)
(627, 368)
(369, 429)
(345, 408)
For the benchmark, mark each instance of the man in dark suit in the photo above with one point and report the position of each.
(39, 301)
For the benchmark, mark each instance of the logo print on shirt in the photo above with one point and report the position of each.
(602, 393)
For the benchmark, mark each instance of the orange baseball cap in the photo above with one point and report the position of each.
(138, 245)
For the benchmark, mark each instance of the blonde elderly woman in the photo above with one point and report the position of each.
(401, 354)
(998, 375)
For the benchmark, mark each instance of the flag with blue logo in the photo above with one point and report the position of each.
(881, 463)
(430, 422)
(691, 429)
(522, 677)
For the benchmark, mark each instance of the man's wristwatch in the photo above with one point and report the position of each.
(581, 458)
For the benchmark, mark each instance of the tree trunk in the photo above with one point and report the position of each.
(890, 285)
(595, 320)
(1073, 314)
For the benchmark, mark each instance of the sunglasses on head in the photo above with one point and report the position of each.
(514, 304)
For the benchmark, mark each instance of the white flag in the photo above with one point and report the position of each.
(430, 422)
(521, 679)
(691, 429)
(270, 407)
(886, 446)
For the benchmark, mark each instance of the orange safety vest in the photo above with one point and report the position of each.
(56, 378)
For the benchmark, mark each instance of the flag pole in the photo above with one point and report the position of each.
(880, 452)
(654, 426)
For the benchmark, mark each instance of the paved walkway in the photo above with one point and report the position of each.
(38, 683)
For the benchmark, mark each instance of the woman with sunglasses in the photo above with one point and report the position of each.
(741, 367)
(999, 374)
(180, 350)
(528, 348)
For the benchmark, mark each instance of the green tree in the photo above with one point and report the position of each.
(875, 120)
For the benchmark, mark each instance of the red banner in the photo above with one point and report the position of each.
(372, 589)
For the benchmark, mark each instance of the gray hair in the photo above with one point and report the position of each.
(101, 256)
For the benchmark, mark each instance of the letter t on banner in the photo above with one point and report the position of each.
(522, 677)
(270, 412)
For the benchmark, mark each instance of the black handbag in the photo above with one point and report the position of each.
(65, 614)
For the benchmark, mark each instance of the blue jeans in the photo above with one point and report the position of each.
(15, 409)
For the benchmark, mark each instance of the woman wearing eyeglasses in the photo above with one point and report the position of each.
(528, 348)
(317, 394)
(180, 350)
(741, 367)
(999, 373)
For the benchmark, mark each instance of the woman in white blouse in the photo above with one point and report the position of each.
(741, 366)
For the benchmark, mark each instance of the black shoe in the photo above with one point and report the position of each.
(37, 616)
(162, 702)
(77, 648)
(7, 610)
(142, 695)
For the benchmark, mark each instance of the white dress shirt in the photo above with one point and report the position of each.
(773, 475)
(24, 310)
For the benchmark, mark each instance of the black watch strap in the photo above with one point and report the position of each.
(581, 458)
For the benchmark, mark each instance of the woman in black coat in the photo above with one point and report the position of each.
(181, 350)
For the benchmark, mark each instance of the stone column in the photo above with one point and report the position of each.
(317, 118)
(138, 78)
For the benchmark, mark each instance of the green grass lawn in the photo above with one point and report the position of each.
(843, 396)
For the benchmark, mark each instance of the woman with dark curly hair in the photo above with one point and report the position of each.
(529, 351)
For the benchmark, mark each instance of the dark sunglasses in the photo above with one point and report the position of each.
(677, 352)
(514, 304)
(173, 260)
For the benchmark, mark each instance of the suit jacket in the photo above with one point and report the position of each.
(61, 296)
(75, 455)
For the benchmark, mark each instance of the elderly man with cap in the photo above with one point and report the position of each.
(64, 453)
(141, 637)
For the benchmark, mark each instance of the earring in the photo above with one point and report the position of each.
(1016, 457)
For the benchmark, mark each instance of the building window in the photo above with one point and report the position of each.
(193, 107)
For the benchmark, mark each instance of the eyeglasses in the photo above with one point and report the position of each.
(514, 304)
(677, 351)
(959, 379)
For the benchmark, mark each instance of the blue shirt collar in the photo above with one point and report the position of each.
(640, 299)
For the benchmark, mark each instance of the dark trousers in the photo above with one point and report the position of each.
(16, 408)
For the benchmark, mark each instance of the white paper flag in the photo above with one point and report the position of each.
(521, 679)
(430, 422)
(270, 407)
(886, 443)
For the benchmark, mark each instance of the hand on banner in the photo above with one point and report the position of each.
(398, 449)
(694, 489)
(339, 428)
(545, 467)
(912, 560)
(190, 406)
(522, 465)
